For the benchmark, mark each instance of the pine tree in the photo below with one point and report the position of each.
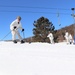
(42, 27)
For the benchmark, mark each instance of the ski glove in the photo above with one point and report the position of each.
(14, 27)
(22, 30)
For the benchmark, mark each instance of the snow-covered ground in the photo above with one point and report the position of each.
(37, 59)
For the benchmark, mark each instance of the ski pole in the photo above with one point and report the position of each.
(5, 36)
(23, 35)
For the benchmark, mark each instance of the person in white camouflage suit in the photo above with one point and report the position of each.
(66, 37)
(70, 39)
(14, 27)
(51, 38)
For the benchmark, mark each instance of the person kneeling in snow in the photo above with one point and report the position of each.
(51, 38)
(14, 27)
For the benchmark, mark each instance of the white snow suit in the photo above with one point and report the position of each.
(15, 31)
(70, 38)
(51, 38)
(67, 37)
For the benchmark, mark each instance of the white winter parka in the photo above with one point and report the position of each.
(50, 35)
(15, 23)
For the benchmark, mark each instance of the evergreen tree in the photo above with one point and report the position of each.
(42, 27)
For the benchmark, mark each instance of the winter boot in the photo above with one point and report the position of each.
(15, 41)
(70, 42)
(22, 41)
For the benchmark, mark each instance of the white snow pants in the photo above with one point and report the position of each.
(67, 40)
(51, 40)
(14, 34)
